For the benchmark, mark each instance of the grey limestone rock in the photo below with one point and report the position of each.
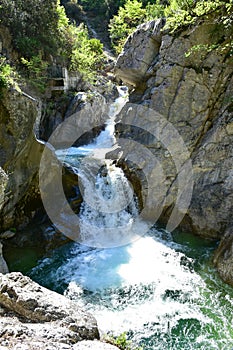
(19, 158)
(40, 305)
(140, 50)
(191, 91)
(3, 265)
(223, 257)
(34, 318)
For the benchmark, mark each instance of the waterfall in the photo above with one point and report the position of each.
(161, 290)
(109, 208)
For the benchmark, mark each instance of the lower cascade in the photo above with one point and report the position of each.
(162, 293)
(159, 288)
(108, 210)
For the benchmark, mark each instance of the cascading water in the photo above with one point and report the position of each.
(109, 204)
(162, 292)
(106, 217)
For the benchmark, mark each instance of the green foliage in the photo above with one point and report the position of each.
(129, 17)
(154, 11)
(104, 7)
(182, 13)
(185, 12)
(86, 54)
(41, 28)
(28, 46)
(6, 74)
(178, 13)
(63, 21)
(37, 71)
(34, 19)
(125, 22)
(121, 342)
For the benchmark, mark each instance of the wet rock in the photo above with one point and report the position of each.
(223, 257)
(52, 315)
(3, 265)
(86, 112)
(71, 189)
(7, 234)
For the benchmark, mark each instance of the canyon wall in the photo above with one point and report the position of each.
(187, 79)
(20, 158)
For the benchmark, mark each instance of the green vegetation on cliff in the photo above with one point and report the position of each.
(6, 74)
(35, 25)
(178, 13)
(43, 35)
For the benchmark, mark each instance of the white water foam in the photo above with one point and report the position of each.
(130, 286)
(143, 288)
(109, 208)
(106, 138)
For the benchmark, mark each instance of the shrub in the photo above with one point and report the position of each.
(105, 8)
(6, 74)
(32, 21)
(87, 54)
(125, 22)
(121, 342)
(179, 13)
(36, 71)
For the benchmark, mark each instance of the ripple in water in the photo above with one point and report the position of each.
(163, 294)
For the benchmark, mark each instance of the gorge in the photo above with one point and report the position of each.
(161, 288)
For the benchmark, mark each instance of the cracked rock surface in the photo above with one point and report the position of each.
(33, 317)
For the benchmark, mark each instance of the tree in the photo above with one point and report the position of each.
(128, 18)
(34, 24)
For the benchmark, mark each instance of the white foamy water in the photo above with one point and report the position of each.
(150, 289)
(146, 266)
(106, 138)
(109, 209)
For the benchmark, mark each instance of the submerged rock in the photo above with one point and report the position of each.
(7, 234)
(36, 316)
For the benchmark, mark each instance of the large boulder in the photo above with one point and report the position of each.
(86, 112)
(53, 315)
(16, 333)
(140, 50)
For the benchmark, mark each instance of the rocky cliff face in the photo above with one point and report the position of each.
(19, 160)
(192, 90)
